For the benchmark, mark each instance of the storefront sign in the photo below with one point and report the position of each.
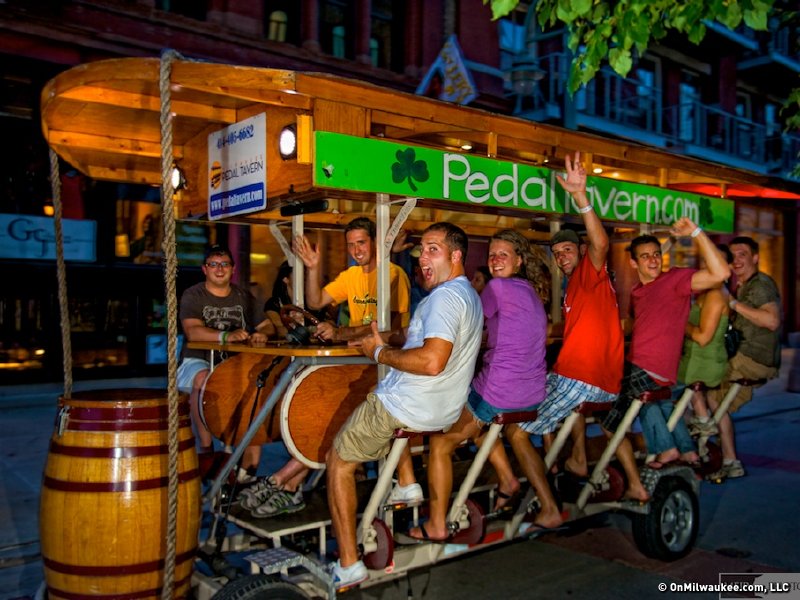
(237, 168)
(34, 238)
(368, 165)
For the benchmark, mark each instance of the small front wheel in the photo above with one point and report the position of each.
(668, 531)
(259, 587)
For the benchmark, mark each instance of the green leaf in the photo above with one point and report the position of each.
(564, 11)
(620, 60)
(756, 19)
(581, 7)
(697, 33)
(731, 17)
(500, 8)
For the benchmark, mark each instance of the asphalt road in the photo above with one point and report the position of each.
(748, 525)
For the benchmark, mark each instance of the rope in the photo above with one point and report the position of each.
(170, 275)
(61, 274)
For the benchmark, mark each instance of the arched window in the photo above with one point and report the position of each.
(278, 22)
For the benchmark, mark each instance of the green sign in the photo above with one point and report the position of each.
(368, 165)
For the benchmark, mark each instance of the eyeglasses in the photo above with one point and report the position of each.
(214, 264)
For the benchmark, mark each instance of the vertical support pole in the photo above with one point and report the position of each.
(298, 272)
(556, 282)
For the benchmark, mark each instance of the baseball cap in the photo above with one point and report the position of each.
(565, 235)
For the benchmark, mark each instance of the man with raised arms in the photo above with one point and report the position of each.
(589, 365)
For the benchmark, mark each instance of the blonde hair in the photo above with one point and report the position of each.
(534, 266)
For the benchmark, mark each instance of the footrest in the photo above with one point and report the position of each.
(519, 416)
(275, 560)
(745, 382)
(662, 393)
(587, 408)
(699, 386)
(404, 433)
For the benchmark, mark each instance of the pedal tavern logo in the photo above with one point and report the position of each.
(370, 165)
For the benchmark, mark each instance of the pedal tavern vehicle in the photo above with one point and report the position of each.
(259, 145)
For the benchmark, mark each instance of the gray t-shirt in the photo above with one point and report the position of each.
(235, 311)
(452, 312)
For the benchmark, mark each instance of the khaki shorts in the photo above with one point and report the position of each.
(741, 366)
(367, 435)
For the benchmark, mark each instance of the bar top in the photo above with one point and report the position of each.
(278, 349)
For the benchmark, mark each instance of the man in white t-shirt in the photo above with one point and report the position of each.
(425, 389)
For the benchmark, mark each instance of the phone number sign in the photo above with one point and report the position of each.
(237, 168)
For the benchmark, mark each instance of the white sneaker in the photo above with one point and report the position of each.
(255, 495)
(280, 502)
(347, 577)
(406, 494)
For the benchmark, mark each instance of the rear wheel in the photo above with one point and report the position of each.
(668, 531)
(259, 587)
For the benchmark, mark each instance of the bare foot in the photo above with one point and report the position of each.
(690, 457)
(576, 468)
(549, 520)
(637, 493)
(506, 493)
(668, 456)
(427, 532)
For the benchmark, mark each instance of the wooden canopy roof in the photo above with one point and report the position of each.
(103, 118)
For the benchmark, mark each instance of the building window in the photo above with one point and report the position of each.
(194, 9)
(276, 32)
(338, 42)
(336, 21)
(387, 35)
(689, 98)
(282, 21)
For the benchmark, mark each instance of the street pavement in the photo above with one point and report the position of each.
(746, 525)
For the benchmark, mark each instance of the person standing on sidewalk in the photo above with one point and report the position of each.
(756, 310)
(592, 329)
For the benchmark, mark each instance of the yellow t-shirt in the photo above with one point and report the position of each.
(360, 290)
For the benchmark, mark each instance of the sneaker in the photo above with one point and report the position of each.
(699, 428)
(734, 469)
(731, 470)
(406, 494)
(346, 577)
(280, 502)
(257, 494)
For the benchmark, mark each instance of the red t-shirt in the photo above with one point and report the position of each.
(660, 311)
(593, 347)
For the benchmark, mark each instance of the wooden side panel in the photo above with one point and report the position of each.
(341, 118)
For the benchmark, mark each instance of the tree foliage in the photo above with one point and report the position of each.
(617, 30)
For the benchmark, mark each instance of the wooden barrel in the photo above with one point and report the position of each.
(230, 392)
(316, 404)
(103, 511)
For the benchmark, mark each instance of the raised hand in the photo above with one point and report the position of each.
(576, 175)
(306, 251)
(400, 242)
(683, 227)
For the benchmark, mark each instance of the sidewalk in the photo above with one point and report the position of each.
(47, 393)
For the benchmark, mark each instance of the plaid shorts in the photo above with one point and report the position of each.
(563, 395)
(635, 381)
